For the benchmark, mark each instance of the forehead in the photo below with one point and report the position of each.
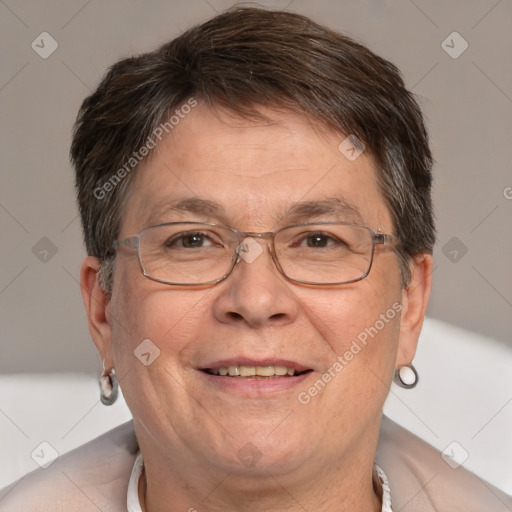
(215, 165)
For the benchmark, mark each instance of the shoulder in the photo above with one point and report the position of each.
(421, 481)
(93, 477)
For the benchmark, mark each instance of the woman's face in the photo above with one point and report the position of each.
(253, 176)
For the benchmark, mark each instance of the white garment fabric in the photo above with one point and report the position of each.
(133, 503)
(386, 490)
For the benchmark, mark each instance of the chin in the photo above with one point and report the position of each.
(264, 449)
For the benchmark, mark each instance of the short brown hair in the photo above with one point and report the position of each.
(240, 60)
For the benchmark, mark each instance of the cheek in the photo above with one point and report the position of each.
(341, 316)
(360, 329)
(152, 323)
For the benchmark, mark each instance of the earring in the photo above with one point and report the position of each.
(109, 387)
(406, 376)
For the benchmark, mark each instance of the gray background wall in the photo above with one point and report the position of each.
(467, 100)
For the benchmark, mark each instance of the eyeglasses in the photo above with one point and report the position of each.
(196, 253)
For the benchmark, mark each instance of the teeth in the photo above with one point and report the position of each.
(283, 370)
(247, 371)
(265, 371)
(254, 371)
(233, 371)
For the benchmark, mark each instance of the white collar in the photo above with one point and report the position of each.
(133, 503)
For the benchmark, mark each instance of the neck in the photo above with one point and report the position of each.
(350, 487)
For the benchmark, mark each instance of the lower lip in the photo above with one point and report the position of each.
(254, 387)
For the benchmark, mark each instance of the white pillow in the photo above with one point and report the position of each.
(63, 410)
(463, 400)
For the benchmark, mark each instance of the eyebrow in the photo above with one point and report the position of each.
(190, 205)
(334, 206)
(299, 212)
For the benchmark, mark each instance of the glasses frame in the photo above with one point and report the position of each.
(133, 242)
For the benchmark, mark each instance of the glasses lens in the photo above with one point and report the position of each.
(187, 253)
(324, 253)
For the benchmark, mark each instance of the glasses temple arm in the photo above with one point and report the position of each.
(131, 243)
(381, 238)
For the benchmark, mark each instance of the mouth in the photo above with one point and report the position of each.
(267, 371)
(251, 378)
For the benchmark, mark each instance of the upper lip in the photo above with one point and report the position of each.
(246, 361)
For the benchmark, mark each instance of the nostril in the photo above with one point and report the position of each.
(235, 316)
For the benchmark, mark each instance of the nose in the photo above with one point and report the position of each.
(255, 293)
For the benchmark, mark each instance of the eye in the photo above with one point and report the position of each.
(191, 240)
(318, 240)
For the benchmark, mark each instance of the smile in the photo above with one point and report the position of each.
(254, 372)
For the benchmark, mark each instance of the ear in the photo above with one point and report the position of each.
(97, 306)
(414, 301)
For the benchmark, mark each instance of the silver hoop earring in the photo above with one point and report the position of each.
(406, 376)
(109, 387)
